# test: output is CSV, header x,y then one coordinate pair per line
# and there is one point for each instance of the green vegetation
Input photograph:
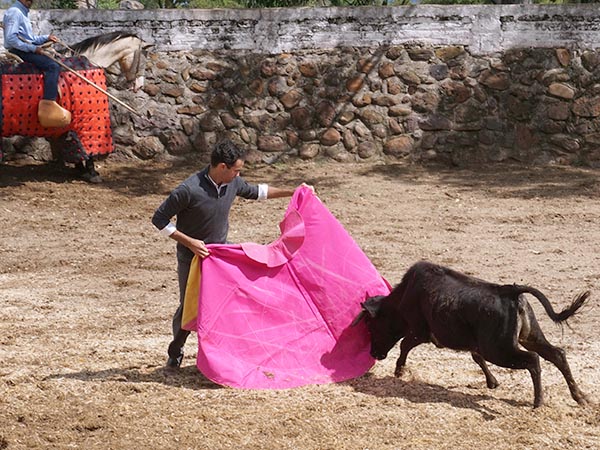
x,y
227,4
53,4
211,4
108,4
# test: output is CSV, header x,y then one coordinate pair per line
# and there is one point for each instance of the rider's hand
x,y
52,38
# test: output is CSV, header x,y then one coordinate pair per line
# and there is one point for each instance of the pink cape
x,y
278,316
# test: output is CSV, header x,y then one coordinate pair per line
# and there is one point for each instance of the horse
x,y
125,48
88,135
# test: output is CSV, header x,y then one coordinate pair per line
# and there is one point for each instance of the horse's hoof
x,y
92,178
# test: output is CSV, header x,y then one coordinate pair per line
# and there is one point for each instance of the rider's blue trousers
x,y
50,68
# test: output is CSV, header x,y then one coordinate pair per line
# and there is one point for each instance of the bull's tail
x,y
569,311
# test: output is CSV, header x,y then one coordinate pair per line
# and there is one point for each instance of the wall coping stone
x,y
484,29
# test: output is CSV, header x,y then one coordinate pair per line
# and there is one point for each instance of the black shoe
x,y
175,362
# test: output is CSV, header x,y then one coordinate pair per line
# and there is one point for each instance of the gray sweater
x,y
202,211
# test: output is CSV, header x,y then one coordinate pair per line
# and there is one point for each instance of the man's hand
x,y
310,187
198,247
41,50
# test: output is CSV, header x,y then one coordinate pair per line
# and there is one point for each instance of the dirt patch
x,y
87,290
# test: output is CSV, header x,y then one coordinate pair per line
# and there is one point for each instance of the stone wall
x,y
464,84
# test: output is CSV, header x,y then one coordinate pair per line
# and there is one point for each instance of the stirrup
x,y
51,114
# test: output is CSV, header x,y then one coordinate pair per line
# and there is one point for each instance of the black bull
x,y
456,311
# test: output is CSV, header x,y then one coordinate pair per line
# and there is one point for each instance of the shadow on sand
x,y
187,376
513,180
416,391
501,179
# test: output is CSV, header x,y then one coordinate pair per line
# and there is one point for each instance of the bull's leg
x,y
536,376
536,342
531,361
408,343
505,353
490,379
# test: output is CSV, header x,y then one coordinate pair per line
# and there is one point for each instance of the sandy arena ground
x,y
87,290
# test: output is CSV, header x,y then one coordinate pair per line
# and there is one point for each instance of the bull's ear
x,y
372,305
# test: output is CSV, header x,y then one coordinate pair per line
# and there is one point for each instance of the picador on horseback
x,y
64,99
20,40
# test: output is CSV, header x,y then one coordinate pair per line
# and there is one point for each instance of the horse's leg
x,y
87,170
56,147
90,174
73,152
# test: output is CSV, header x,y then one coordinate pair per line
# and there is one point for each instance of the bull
x,y
456,311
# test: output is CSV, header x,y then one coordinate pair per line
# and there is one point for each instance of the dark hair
x,y
226,152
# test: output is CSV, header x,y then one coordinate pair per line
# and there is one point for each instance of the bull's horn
x,y
358,318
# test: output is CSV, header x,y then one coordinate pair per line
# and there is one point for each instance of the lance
x,y
90,82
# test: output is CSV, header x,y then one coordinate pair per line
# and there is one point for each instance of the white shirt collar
x,y
217,187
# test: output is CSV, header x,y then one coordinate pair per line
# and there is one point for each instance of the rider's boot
x,y
51,114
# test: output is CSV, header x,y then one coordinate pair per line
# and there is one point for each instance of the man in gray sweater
x,y
202,204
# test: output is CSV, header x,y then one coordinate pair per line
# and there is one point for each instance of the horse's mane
x,y
100,40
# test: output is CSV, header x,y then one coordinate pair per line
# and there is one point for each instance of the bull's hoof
x,y
492,383
583,400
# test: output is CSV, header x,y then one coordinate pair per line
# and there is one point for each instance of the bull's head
x,y
384,327
370,307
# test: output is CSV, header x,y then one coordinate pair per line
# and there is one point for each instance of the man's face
x,y
229,173
27,3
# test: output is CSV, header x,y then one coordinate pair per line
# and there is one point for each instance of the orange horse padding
x,y
22,89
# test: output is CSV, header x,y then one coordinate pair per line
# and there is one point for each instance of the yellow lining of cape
x,y
192,294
